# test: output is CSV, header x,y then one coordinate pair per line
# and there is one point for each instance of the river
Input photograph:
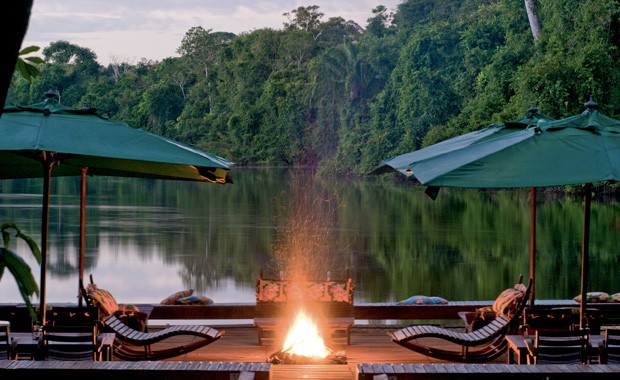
x,y
146,239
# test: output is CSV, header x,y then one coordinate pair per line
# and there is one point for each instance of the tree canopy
x,y
331,94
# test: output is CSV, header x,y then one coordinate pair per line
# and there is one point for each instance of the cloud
x,y
154,29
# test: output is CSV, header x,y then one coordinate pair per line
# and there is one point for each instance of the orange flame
x,y
304,339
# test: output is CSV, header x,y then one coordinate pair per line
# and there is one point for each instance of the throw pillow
x,y
594,297
102,299
615,297
423,300
194,300
172,299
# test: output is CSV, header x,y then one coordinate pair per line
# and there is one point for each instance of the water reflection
x,y
149,238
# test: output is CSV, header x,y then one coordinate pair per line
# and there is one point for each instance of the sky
x,y
129,30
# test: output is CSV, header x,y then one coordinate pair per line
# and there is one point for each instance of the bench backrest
x,y
330,297
282,290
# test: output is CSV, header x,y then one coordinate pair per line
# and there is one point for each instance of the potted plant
x,y
20,270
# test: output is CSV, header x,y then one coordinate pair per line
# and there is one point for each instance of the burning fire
x,y
304,339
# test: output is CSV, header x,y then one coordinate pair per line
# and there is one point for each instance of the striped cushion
x,y
103,300
507,301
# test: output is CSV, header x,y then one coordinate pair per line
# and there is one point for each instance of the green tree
x,y
304,18
381,23
577,57
17,267
200,49
281,117
244,67
336,30
69,69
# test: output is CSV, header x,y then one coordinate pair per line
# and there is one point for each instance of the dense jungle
x,y
338,97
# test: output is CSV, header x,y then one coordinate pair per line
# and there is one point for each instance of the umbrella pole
x,y
45,223
82,234
532,243
585,254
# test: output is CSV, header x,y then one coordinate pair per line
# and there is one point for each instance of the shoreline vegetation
x,y
330,94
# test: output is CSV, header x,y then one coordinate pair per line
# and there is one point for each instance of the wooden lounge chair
x,y
133,344
558,347
479,346
610,348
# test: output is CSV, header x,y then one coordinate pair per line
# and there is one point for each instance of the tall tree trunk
x,y
530,7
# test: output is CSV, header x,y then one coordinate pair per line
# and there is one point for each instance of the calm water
x,y
149,238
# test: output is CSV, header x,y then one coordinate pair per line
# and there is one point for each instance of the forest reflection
x,y
149,238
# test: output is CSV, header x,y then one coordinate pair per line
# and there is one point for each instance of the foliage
x,y
20,270
26,65
332,94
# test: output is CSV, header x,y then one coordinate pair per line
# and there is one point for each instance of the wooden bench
x,y
328,302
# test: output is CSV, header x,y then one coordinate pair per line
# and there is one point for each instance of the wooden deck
x,y
371,346
371,355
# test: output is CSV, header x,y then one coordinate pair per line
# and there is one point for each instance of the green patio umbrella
x,y
477,143
580,149
46,140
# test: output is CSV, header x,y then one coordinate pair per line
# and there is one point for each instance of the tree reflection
x,y
395,241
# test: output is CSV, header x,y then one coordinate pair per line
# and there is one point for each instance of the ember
x,y
281,357
304,345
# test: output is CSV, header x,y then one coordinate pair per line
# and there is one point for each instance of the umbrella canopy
x,y
68,139
580,149
455,153
47,139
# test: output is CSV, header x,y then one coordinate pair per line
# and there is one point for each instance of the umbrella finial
x,y
591,104
52,95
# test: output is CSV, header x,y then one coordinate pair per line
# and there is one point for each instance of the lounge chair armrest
x,y
531,347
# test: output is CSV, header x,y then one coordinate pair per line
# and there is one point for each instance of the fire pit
x,y
304,345
281,357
